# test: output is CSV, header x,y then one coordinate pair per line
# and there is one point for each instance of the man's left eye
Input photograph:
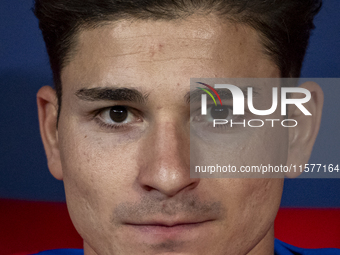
x,y
220,112
214,112
217,112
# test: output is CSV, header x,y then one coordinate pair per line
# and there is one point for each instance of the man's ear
x,y
303,136
48,113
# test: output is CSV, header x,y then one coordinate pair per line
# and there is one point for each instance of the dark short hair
x,y
284,25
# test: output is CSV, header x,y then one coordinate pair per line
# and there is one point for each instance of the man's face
x,y
126,169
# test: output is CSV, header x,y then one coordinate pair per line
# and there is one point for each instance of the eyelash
x,y
110,126
208,125
209,106
118,127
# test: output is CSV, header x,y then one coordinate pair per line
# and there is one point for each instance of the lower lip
x,y
159,233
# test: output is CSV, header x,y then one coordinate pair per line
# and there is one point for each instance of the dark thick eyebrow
x,y
225,94
112,94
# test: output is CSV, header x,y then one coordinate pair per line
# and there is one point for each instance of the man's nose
x,y
166,161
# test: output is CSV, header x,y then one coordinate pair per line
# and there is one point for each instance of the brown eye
x,y
118,113
220,112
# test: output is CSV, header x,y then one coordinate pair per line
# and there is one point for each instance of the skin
x,y
129,190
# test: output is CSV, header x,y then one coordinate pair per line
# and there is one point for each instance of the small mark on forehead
x,y
156,48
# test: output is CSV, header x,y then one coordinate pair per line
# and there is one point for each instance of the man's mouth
x,y
168,229
167,224
150,222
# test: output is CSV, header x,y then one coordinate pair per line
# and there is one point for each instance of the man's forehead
x,y
139,54
153,40
196,26
137,33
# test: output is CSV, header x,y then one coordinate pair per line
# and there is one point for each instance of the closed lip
x,y
156,231
168,224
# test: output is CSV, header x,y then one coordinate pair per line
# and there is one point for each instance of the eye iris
x,y
219,112
118,113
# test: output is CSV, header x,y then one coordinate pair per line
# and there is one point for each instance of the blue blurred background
x,y
24,68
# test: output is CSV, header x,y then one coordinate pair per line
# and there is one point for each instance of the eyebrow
x,y
112,94
133,95
225,94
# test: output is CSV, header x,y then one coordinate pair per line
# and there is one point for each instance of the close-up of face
x,y
122,141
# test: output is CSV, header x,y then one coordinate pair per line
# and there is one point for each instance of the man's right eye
x,y
118,113
117,117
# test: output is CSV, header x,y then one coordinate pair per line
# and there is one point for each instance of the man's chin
x,y
151,239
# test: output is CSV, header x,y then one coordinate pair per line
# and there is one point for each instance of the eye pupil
x,y
219,112
118,113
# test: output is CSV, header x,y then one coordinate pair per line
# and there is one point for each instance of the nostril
x,y
147,187
193,184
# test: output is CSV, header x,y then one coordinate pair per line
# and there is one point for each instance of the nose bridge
x,y
170,144
166,160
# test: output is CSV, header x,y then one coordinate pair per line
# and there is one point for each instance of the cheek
x,y
251,205
97,176
256,198
97,164
255,202
266,146
249,197
242,148
260,203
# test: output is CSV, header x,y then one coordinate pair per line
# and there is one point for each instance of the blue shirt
x,y
281,248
